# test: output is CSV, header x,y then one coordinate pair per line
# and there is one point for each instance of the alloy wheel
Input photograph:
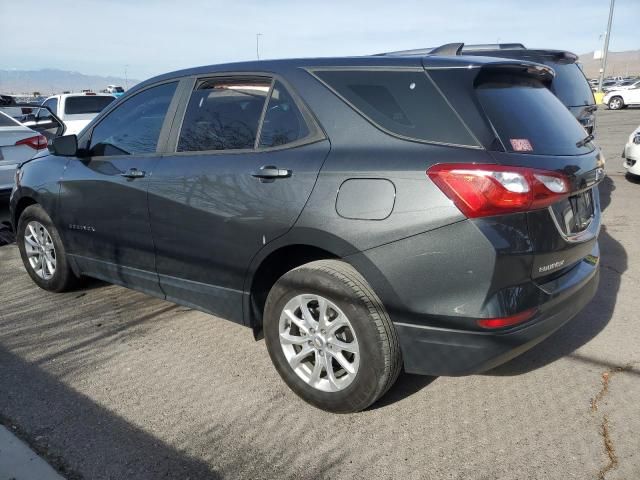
x,y
40,250
319,342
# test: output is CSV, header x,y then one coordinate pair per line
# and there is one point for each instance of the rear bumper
x,y
435,286
431,351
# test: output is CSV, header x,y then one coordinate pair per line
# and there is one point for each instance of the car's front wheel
x,y
42,251
616,103
330,337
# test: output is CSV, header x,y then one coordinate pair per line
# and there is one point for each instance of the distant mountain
x,y
618,63
50,81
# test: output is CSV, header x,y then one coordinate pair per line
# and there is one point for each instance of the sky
x,y
149,37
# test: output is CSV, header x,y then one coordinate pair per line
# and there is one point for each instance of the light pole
x,y
606,47
258,35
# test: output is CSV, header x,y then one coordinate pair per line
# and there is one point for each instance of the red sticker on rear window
x,y
521,145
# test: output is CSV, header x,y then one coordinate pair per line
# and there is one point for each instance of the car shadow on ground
x,y
109,442
593,318
406,385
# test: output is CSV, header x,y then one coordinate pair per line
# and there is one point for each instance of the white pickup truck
x,y
76,110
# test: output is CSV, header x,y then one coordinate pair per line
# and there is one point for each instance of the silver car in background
x,y
17,144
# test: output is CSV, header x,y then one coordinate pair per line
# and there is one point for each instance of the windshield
x,y
570,85
86,104
529,118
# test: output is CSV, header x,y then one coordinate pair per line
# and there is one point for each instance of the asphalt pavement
x,y
107,383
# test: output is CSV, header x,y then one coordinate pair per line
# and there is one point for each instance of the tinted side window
x,y
134,126
283,123
403,102
223,114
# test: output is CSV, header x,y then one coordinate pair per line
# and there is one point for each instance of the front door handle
x,y
133,173
269,172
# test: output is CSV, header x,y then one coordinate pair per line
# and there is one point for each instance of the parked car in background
x,y
17,144
617,99
626,85
115,90
569,84
9,105
631,153
364,214
609,84
76,110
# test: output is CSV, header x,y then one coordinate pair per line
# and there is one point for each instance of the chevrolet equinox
x,y
438,214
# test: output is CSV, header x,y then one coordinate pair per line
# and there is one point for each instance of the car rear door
x,y
103,196
246,155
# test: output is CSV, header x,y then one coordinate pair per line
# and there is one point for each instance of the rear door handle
x,y
133,173
269,172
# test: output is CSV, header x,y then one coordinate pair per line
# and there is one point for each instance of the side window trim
x,y
316,133
176,110
115,105
256,143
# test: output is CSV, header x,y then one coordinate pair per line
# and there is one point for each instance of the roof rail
x,y
415,51
456,49
494,46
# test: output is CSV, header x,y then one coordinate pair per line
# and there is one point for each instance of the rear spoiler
x,y
530,69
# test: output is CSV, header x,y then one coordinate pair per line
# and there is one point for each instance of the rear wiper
x,y
584,141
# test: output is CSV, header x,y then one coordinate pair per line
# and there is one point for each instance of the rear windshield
x,y
86,104
529,118
401,102
570,85
7,121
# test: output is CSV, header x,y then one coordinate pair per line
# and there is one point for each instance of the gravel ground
x,y
108,383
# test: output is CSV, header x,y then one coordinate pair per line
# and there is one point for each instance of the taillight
x,y
37,143
485,190
501,322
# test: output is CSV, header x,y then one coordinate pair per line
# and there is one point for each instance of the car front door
x,y
246,157
103,196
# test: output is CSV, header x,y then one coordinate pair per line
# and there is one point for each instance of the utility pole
x,y
606,47
258,35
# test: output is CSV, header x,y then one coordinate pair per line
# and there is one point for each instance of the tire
x,y
61,278
615,103
347,299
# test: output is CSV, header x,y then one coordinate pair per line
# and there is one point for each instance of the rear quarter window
x,y
404,103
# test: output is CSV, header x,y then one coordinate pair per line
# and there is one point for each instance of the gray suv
x,y
437,214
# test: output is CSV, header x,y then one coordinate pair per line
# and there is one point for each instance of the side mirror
x,y
65,146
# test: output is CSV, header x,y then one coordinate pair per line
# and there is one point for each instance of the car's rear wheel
x,y
330,337
616,103
42,252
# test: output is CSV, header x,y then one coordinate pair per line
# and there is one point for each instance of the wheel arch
x,y
21,206
269,269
